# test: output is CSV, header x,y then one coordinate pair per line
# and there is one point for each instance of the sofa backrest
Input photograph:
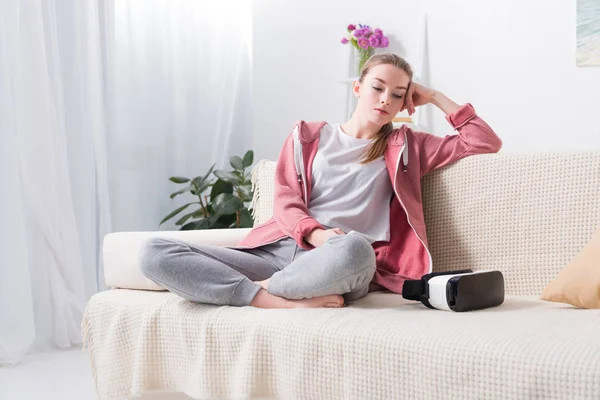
x,y
526,215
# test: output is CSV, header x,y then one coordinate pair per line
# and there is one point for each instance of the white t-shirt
x,y
346,194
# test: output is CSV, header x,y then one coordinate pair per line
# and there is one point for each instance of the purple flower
x,y
373,41
363,43
365,37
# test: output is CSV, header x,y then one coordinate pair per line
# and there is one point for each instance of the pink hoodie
x,y
406,255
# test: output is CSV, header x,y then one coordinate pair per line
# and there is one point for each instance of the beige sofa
x,y
526,215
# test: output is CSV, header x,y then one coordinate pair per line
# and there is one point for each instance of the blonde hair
x,y
377,148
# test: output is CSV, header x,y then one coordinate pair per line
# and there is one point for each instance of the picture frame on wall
x,y
588,33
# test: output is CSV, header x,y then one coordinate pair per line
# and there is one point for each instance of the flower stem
x,y
363,56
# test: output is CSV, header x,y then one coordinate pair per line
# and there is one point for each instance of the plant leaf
x,y
236,162
246,190
209,171
220,225
174,213
228,219
189,226
227,176
203,188
219,187
199,213
195,214
226,203
246,220
179,179
225,221
198,224
198,181
201,183
185,189
248,158
211,221
202,223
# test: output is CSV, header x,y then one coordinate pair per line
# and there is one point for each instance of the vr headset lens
x,y
475,291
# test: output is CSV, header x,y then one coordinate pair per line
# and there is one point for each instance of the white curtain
x,y
181,99
100,102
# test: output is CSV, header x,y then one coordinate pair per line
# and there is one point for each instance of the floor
x,y
59,375
64,375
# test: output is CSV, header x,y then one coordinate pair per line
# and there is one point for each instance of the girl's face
x,y
381,94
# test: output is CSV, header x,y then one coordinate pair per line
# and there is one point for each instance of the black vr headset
x,y
463,290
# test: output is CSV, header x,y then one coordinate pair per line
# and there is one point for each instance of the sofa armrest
x,y
121,259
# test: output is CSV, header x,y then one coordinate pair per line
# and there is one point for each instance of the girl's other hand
x,y
417,96
319,236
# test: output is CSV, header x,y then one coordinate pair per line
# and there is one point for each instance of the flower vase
x,y
362,55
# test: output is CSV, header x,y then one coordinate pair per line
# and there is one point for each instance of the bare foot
x,y
264,284
329,301
264,299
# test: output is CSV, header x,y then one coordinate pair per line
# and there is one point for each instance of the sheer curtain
x,y
100,102
181,97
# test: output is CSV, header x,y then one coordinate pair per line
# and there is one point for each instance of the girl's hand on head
x,y
417,96
319,236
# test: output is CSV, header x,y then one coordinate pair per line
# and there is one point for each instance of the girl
x,y
347,215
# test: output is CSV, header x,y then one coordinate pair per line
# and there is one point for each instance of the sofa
x,y
525,215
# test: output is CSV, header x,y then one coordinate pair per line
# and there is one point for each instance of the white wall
x,y
513,60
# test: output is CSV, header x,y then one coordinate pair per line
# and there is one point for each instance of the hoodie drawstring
x,y
405,155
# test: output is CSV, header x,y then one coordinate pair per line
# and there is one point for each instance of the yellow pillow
x,y
579,282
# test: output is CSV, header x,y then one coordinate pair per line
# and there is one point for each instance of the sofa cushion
x,y
579,282
121,252
380,346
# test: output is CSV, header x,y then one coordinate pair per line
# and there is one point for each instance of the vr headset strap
x,y
418,289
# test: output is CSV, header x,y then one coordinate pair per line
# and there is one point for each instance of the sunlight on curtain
x,y
52,133
100,102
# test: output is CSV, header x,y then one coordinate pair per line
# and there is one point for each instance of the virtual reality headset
x,y
463,290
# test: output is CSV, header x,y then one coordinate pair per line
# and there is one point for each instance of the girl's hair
x,y
377,148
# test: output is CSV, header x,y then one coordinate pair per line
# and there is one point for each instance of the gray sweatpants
x,y
344,265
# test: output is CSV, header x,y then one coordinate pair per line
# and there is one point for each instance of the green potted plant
x,y
221,202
